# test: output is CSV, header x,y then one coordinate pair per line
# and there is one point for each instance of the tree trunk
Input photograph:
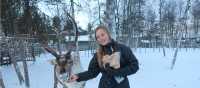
x,y
180,33
13,53
99,8
1,80
55,78
110,17
23,46
27,81
17,70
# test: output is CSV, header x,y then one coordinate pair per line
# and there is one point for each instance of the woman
x,y
115,61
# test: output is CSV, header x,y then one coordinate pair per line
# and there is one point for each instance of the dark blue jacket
x,y
128,66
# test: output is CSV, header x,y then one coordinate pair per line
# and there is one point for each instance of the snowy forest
x,y
29,28
150,23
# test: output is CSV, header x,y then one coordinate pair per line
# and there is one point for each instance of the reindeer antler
x,y
50,50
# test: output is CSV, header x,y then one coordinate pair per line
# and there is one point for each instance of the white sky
x,y
81,17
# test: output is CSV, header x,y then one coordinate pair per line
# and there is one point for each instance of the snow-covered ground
x,y
154,70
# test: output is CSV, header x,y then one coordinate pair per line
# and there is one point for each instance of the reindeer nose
x,y
62,70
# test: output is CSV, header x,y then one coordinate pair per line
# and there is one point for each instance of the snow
x,y
155,70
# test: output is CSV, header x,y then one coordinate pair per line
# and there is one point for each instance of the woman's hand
x,y
109,70
73,78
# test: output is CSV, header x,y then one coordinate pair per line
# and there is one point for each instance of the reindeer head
x,y
63,61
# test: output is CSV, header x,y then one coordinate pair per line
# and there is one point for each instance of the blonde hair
x,y
100,51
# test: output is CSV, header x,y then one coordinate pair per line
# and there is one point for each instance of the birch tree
x,y
110,17
180,35
161,5
1,34
132,21
196,16
1,80
169,19
150,26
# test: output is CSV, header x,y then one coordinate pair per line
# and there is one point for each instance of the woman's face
x,y
102,37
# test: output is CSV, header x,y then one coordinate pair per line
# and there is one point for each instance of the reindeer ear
x,y
68,55
52,61
69,52
52,51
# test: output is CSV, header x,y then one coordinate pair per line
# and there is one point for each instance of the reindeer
x,y
63,65
63,61
66,29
